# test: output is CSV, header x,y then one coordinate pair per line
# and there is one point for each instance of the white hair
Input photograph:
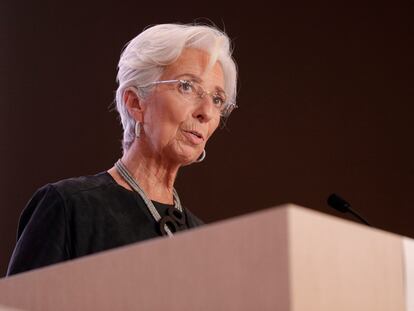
x,y
145,57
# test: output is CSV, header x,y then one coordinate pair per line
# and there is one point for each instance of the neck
x,y
155,176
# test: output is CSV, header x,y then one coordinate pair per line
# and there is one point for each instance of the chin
x,y
187,156
187,159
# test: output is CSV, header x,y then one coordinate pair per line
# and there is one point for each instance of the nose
x,y
204,109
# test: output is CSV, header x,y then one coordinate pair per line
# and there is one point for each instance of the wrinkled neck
x,y
154,174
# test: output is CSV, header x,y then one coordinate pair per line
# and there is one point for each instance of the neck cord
x,y
127,176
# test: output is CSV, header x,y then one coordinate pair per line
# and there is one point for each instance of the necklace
x,y
175,215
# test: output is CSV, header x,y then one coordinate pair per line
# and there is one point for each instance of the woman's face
x,y
176,130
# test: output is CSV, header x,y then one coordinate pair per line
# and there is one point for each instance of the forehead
x,y
196,62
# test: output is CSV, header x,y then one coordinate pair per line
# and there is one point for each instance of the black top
x,y
81,216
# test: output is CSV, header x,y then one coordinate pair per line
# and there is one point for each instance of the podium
x,y
284,258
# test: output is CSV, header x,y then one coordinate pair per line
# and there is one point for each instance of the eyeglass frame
x,y
227,107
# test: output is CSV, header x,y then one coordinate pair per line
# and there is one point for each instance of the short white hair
x,y
145,57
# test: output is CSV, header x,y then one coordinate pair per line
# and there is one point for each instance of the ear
x,y
133,104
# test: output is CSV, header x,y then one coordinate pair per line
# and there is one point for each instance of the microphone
x,y
336,202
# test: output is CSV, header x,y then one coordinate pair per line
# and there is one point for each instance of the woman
x,y
175,84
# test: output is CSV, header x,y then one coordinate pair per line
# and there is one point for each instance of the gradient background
x,y
326,105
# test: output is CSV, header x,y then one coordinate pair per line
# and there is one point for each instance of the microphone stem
x,y
358,216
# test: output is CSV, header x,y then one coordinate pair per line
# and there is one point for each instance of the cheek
x,y
168,119
172,109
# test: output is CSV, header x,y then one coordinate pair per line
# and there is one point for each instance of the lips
x,y
196,134
194,137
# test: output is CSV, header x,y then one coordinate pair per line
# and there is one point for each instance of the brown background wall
x,y
326,105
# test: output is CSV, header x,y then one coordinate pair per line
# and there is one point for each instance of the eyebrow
x,y
197,79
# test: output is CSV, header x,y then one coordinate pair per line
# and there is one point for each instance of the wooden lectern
x,y
4,308
285,258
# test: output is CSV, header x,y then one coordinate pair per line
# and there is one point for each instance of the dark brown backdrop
x,y
326,105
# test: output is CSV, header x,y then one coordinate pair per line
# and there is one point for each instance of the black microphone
x,y
343,206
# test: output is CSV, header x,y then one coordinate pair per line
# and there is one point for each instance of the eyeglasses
x,y
192,91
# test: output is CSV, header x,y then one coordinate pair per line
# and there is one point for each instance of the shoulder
x,y
99,185
80,186
55,197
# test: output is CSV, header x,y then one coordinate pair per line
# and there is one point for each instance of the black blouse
x,y
80,216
